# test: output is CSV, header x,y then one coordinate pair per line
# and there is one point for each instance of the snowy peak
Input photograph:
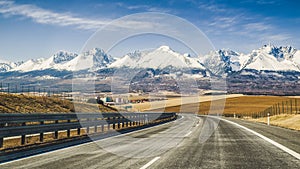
x,y
268,57
97,58
279,53
160,58
93,59
6,65
62,60
274,58
222,62
164,48
63,56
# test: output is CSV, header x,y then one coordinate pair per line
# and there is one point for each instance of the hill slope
x,y
12,103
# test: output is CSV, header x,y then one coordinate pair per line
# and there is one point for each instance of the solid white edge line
x,y
278,145
187,134
150,163
62,149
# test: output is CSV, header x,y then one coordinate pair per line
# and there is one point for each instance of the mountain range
x,y
221,62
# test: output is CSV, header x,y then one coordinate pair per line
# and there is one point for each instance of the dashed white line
x,y
150,163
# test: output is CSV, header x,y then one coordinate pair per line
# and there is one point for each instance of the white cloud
x,y
258,26
39,15
277,37
211,7
43,16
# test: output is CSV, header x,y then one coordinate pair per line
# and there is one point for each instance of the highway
x,y
177,145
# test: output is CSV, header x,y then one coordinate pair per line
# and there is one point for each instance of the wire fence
x,y
34,90
291,106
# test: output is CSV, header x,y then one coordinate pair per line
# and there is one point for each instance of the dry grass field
x,y
247,105
237,105
176,101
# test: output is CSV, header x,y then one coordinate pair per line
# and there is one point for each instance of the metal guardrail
x,y
27,124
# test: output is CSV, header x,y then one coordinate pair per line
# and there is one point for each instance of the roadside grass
x,y
18,103
291,121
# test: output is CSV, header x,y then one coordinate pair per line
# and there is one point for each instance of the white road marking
x,y
187,134
278,145
150,163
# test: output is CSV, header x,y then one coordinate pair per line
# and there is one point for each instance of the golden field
x,y
237,105
247,105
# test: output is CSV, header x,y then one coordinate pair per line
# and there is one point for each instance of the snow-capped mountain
x,y
6,65
62,57
221,62
162,57
56,61
274,58
266,58
94,59
62,60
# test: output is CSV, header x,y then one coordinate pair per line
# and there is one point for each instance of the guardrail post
x,y
56,132
88,127
42,134
1,142
146,119
108,123
139,119
23,137
114,125
123,121
102,128
96,127
78,131
119,124
69,131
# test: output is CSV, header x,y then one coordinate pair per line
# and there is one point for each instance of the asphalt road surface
x,y
189,142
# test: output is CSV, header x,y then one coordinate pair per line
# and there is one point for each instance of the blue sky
x,y
34,29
